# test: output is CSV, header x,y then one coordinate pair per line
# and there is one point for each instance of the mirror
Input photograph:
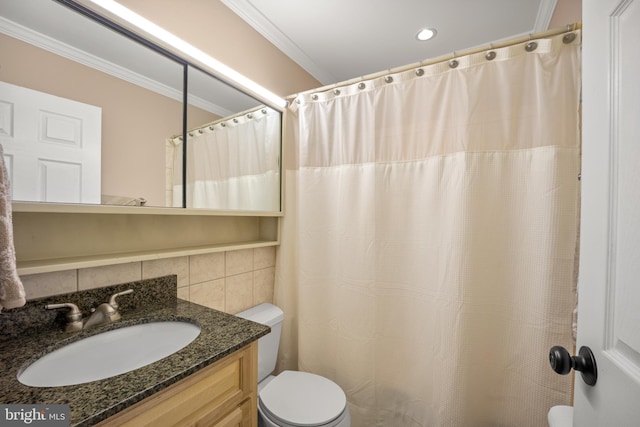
x,y
117,105
233,162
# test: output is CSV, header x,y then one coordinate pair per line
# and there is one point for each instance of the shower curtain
x,y
428,257
233,164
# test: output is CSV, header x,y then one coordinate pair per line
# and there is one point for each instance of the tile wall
x,y
229,281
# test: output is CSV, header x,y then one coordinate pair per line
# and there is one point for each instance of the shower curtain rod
x,y
444,58
224,119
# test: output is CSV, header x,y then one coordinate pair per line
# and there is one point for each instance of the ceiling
x,y
337,40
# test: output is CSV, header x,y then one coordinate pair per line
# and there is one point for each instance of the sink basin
x,y
109,354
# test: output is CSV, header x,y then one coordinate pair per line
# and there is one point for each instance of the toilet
x,y
560,416
292,398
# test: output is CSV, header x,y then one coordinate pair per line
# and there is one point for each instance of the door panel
x,y
609,287
52,146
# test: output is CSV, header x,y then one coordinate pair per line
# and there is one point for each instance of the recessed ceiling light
x,y
426,34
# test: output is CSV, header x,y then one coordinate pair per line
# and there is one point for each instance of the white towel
x,y
11,290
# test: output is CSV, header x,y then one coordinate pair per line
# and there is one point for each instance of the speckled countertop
x,y
30,332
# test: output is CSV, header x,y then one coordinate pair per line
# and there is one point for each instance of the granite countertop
x,y
22,343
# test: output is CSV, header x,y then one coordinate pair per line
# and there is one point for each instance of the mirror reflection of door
x,y
50,48
51,146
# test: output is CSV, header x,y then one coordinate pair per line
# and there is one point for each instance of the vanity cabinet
x,y
222,395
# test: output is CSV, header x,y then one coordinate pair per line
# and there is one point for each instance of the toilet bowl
x,y
560,416
292,398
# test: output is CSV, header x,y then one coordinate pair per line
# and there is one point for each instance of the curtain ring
x,y
388,79
224,125
531,46
454,62
336,92
568,38
490,55
314,96
419,72
361,85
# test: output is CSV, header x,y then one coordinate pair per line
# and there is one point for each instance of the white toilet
x,y
560,416
292,399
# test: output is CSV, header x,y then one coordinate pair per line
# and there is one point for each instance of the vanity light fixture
x,y
190,50
425,34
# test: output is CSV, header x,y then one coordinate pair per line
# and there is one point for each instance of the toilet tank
x,y
272,316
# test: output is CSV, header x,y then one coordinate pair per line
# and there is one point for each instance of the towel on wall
x,y
11,290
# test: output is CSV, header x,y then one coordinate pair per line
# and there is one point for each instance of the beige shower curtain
x,y
232,164
428,244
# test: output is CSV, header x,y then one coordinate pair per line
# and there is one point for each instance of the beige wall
x,y
567,12
135,122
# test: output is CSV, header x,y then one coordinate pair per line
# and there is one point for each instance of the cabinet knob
x,y
562,362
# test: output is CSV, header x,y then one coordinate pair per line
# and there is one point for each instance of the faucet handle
x,y
74,312
112,300
74,316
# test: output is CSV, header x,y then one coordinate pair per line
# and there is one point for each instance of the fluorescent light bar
x,y
190,50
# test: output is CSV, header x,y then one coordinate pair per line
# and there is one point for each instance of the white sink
x,y
109,354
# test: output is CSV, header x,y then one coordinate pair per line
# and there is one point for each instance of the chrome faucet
x,y
105,313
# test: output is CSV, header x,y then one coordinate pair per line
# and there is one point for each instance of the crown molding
x,y
252,16
545,13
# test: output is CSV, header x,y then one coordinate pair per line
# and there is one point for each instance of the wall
x,y
229,281
566,12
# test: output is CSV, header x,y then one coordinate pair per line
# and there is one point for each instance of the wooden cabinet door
x,y
240,417
218,395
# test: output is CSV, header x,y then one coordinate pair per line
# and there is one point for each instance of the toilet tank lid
x,y
265,314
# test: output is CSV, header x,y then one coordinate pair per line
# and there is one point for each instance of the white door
x,y
51,146
609,284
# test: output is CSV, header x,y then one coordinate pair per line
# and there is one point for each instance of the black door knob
x,y
562,362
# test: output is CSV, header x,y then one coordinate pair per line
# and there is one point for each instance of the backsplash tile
x,y
210,294
264,257
263,283
160,267
98,277
47,284
203,279
238,262
183,293
239,292
206,267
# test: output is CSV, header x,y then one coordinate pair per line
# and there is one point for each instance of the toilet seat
x,y
302,399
